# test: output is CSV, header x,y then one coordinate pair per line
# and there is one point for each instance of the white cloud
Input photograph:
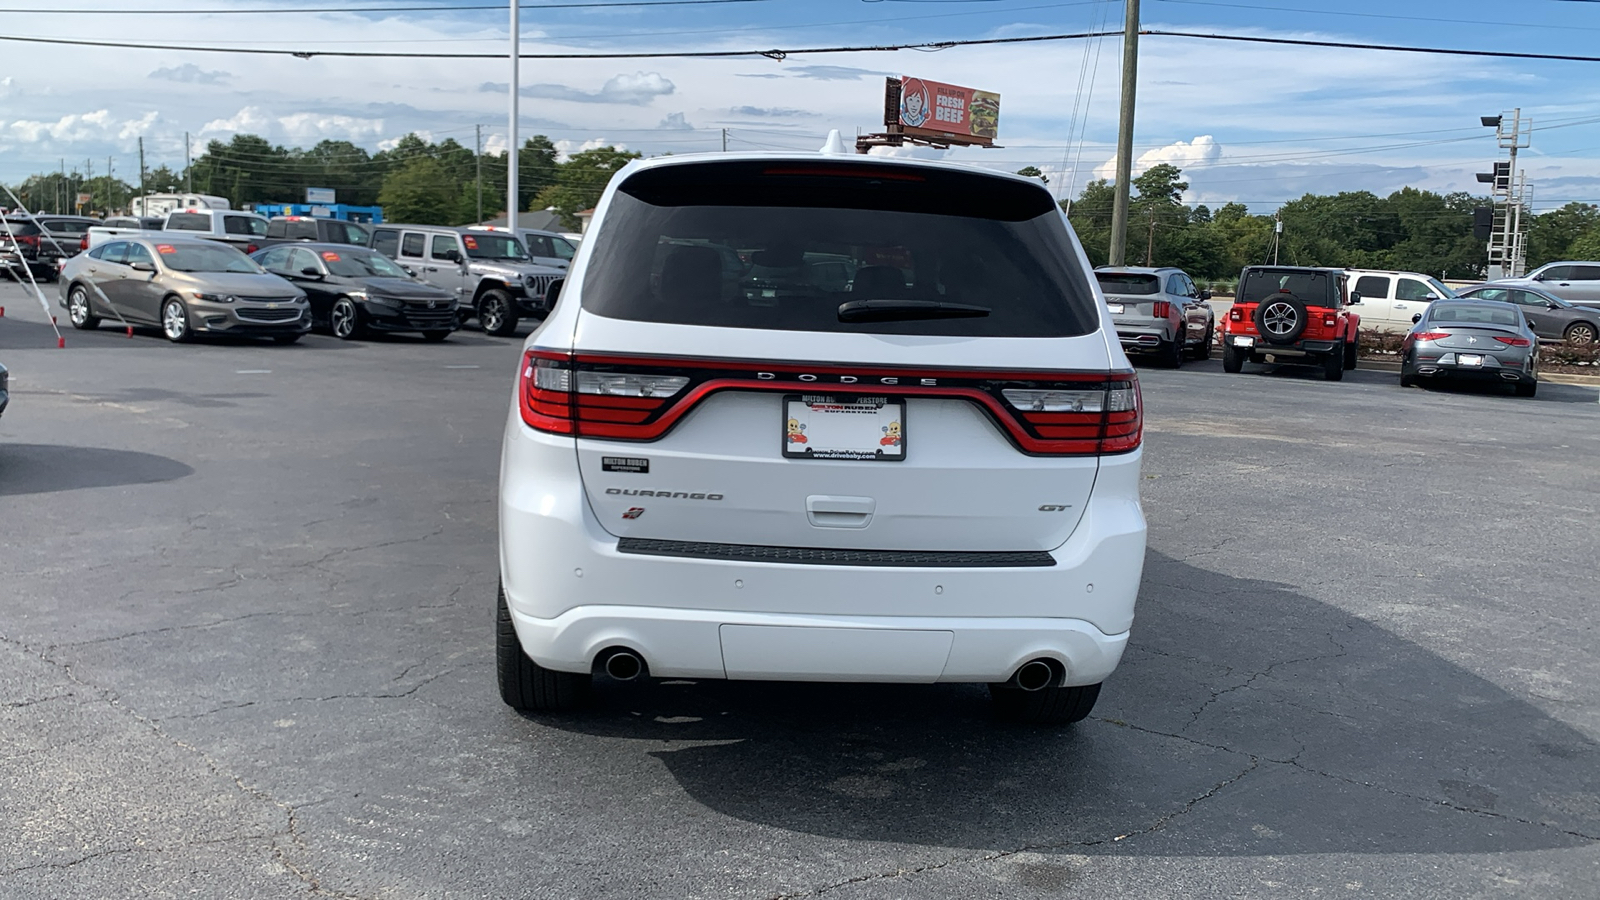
x,y
675,122
565,149
90,126
189,73
1202,151
637,89
302,128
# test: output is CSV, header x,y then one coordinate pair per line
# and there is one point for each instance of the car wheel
x,y
1352,351
1408,378
1172,353
1281,318
1580,334
175,321
1527,388
496,315
435,336
1232,359
78,309
1053,705
286,338
1202,350
344,319
1333,366
526,685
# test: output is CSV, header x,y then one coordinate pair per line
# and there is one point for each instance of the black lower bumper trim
x,y
817,556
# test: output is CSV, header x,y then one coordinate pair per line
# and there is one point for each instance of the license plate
x,y
1116,308
1469,359
1244,342
820,426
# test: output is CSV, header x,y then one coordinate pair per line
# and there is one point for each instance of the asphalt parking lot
x,y
246,599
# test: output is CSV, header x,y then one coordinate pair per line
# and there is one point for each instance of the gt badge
x,y
634,513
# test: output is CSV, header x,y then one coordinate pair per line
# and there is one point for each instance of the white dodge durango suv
x,y
815,417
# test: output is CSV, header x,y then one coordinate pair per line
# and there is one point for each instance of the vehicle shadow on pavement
x,y
1246,719
48,468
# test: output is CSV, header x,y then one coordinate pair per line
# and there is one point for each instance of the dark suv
x,y
1291,314
40,242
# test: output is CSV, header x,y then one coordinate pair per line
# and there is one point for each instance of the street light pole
x,y
511,151
1130,77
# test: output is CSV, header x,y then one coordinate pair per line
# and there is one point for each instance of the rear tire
x,y
1333,366
1054,705
1407,377
78,310
1352,350
344,320
524,684
1580,334
1172,354
1232,359
1527,388
1202,350
175,321
435,336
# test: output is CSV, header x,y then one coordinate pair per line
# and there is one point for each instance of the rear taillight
x,y
250,248
83,243
1514,341
1329,322
1432,335
1234,315
1161,309
28,240
639,399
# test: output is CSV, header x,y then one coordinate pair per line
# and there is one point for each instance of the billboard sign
x,y
947,112
319,195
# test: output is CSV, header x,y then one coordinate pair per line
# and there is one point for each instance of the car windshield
x,y
206,258
829,247
487,245
1128,283
1259,284
361,264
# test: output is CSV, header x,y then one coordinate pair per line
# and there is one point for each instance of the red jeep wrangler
x,y
1293,314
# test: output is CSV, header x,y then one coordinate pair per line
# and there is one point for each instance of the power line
x,y
1340,12
1395,48
598,4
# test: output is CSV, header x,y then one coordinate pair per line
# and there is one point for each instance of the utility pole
x,y
1277,234
188,166
1130,79
61,187
142,191
724,140
1150,242
511,152
477,156
111,186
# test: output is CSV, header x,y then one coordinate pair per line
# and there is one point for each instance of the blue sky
x,y
1256,123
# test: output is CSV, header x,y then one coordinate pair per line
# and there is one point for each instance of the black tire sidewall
x,y
508,318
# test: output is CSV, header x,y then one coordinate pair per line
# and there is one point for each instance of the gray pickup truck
x,y
283,229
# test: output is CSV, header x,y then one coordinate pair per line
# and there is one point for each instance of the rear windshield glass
x,y
1474,314
19,228
785,245
348,233
1128,283
188,222
244,225
1311,287
60,227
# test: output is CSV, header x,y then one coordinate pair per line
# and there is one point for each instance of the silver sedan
x,y
184,287
1472,339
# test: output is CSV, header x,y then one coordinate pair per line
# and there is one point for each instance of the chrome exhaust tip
x,y
1034,675
623,665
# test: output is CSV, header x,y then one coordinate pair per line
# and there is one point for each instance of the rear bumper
x,y
1254,344
1446,367
1137,338
572,594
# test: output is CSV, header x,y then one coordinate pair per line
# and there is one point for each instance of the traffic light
x,y
1482,222
1500,177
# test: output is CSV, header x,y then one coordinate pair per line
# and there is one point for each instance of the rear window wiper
x,y
906,310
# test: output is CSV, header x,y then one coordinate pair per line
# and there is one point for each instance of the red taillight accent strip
x,y
1513,341
1431,335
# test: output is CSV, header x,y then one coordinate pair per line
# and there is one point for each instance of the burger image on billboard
x,y
985,114
915,102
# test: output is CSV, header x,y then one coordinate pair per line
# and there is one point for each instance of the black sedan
x,y
1550,317
354,291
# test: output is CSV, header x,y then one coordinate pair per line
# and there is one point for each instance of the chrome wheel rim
x,y
78,308
1279,318
173,320
344,319
492,315
1581,335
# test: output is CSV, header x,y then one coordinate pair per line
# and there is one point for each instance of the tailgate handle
x,y
826,511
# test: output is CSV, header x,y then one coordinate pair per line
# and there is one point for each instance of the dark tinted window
x,y
783,245
138,253
348,233
276,259
488,245
202,256
355,263
1128,283
412,245
59,226
538,245
1372,287
1586,273
247,225
1474,313
301,231
444,245
1412,289
1311,287
115,252
20,228
386,242
563,248
188,222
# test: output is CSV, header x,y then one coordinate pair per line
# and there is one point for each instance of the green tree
x,y
580,181
1033,172
1090,216
1552,236
421,191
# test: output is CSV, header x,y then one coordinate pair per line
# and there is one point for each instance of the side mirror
x,y
310,272
1355,297
1540,277
452,255
553,292
142,266
1431,296
409,271
1205,295
1416,318
1553,305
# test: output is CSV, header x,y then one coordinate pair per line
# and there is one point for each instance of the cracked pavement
x,y
246,652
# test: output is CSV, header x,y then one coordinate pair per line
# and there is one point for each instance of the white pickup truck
x,y
243,230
